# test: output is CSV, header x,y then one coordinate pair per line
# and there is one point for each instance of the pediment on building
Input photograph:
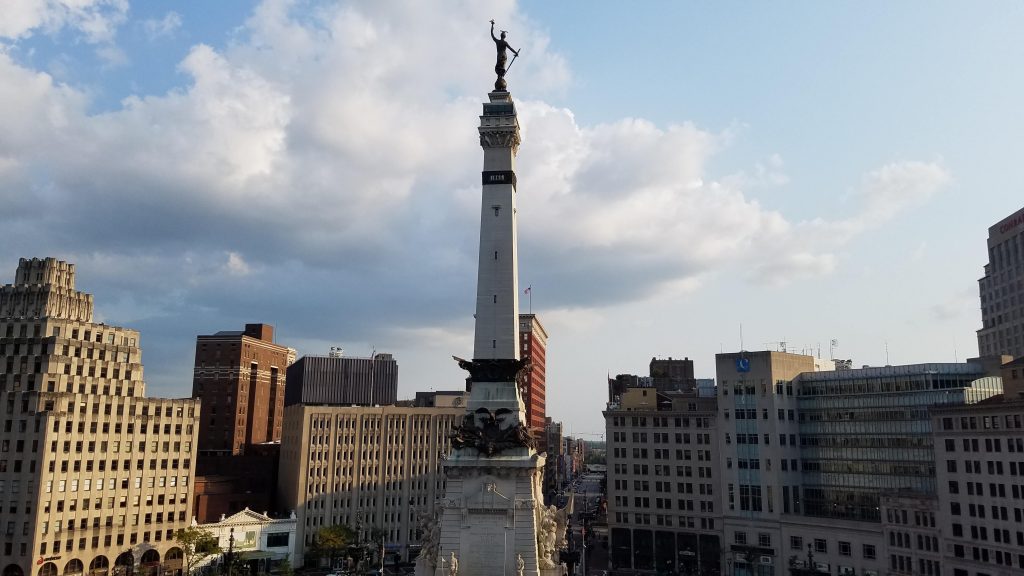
x,y
246,517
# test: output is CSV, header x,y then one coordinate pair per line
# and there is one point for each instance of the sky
x,y
693,177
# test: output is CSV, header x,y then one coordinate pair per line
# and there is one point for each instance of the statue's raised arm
x,y
500,67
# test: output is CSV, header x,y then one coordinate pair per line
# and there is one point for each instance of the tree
x,y
332,540
285,567
196,544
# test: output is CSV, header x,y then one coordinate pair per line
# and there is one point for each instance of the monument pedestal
x,y
491,513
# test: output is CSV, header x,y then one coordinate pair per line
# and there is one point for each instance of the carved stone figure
x,y
547,538
496,369
430,539
453,565
499,66
520,565
483,430
561,521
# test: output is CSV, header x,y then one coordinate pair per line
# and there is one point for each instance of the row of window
x,y
987,422
991,445
644,519
108,540
661,422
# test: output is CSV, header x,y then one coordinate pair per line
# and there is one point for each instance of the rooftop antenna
x,y
741,337
886,352
831,347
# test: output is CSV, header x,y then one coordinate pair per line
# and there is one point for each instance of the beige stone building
x,y
664,485
913,534
365,467
94,476
980,472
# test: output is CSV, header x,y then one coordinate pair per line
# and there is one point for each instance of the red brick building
x,y
534,343
224,486
240,376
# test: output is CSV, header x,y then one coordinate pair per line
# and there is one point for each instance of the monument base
x,y
491,514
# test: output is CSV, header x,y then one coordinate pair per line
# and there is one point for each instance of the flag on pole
x,y
528,289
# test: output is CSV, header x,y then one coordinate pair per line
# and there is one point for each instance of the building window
x,y
869,551
796,543
277,540
844,548
820,545
740,537
764,540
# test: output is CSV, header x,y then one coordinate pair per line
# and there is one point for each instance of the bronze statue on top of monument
x,y
499,67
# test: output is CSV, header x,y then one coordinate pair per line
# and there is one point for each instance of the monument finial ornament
x,y
499,66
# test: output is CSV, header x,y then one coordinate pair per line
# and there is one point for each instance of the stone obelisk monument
x,y
492,520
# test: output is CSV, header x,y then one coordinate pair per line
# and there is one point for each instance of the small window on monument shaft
x,y
495,298
495,254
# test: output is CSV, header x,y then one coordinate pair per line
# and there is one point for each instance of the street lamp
x,y
230,555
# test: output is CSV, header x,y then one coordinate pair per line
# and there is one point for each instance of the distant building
x,y
263,543
664,487
227,485
618,385
441,399
343,380
809,456
912,534
534,348
1002,289
95,477
240,377
979,463
366,468
554,475
669,374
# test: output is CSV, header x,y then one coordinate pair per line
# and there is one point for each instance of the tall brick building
x,y
240,376
534,344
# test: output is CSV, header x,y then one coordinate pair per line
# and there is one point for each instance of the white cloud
x,y
96,20
236,265
156,29
335,147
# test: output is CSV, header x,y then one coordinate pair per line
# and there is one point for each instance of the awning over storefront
x,y
260,555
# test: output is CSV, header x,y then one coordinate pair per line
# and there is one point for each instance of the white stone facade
x,y
254,535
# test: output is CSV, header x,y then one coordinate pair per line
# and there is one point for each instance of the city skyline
x,y
808,175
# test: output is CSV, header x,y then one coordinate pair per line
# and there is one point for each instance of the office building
x,y
554,449
226,485
240,377
980,480
439,399
668,374
809,453
912,534
343,380
534,391
94,476
664,486
365,467
1002,289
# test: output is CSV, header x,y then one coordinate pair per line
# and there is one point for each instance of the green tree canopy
x,y
331,541
196,544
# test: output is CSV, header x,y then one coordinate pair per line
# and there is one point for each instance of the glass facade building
x,y
866,431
